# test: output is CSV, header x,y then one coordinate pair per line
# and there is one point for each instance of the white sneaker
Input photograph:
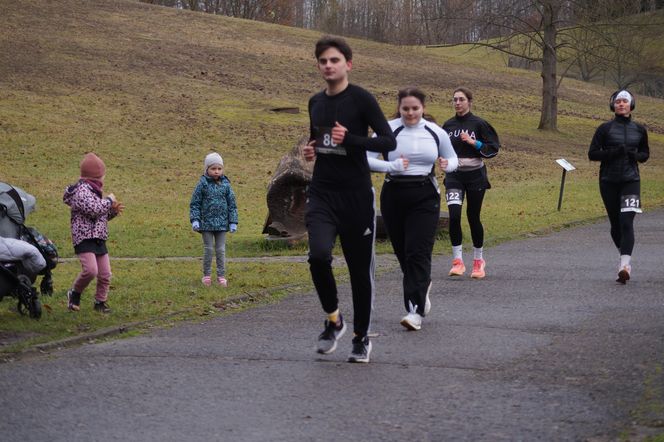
x,y
412,321
427,302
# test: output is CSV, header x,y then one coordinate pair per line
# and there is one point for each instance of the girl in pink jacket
x,y
90,212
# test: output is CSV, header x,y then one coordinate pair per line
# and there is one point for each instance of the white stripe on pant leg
x,y
372,267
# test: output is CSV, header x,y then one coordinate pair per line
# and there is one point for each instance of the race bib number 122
x,y
454,196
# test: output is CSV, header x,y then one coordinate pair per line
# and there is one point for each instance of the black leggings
x,y
622,223
474,200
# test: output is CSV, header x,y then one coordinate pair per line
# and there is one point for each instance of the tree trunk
x,y
549,114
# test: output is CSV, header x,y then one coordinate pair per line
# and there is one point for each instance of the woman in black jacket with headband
x,y
620,144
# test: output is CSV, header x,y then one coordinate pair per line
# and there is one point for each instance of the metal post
x,y
562,187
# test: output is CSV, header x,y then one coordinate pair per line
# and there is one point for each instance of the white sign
x,y
565,164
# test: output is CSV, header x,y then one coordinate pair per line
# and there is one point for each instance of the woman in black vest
x,y
619,144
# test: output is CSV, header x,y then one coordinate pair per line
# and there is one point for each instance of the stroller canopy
x,y
15,205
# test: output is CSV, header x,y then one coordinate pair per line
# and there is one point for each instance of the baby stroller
x,y
24,252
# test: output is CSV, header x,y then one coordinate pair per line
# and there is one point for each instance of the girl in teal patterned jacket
x,y
213,212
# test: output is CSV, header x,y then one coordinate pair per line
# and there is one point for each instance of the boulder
x,y
286,199
286,196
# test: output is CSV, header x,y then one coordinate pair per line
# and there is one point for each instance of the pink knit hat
x,y
92,167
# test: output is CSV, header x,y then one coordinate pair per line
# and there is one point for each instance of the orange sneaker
x,y
478,269
458,269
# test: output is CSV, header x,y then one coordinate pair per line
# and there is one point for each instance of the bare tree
x,y
593,35
614,39
526,29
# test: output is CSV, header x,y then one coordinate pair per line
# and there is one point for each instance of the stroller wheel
x,y
46,286
22,308
33,309
28,299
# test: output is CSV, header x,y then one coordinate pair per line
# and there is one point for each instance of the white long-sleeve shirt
x,y
421,144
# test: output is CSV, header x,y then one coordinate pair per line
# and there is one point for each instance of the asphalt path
x,y
547,347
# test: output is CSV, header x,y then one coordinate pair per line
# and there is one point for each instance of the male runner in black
x,y
341,198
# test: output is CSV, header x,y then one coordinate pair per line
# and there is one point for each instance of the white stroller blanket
x,y
17,250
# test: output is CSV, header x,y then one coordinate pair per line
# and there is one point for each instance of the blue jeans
x,y
214,241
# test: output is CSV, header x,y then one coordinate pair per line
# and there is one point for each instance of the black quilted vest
x,y
622,132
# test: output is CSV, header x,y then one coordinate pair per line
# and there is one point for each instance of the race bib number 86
x,y
324,143
630,203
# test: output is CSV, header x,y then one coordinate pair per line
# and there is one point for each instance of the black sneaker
x,y
361,349
327,341
102,307
73,300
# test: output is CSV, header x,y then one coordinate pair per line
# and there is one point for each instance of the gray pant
x,y
216,241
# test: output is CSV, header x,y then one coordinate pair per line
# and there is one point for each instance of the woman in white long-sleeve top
x,y
410,198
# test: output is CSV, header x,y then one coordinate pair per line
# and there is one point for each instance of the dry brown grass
x,y
153,89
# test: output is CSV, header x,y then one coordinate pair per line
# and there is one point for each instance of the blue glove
x,y
196,226
233,227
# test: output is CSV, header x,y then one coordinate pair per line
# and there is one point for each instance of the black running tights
x,y
622,223
474,200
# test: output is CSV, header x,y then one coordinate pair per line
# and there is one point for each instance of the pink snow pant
x,y
94,266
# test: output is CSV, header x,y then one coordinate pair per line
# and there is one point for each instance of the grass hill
x,y
153,89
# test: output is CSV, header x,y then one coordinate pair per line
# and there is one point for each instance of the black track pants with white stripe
x,y
351,216
411,212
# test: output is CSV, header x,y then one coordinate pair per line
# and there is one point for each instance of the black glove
x,y
615,152
630,152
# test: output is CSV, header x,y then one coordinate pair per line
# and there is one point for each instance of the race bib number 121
x,y
630,203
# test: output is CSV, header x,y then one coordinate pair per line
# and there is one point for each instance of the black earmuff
x,y
632,103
